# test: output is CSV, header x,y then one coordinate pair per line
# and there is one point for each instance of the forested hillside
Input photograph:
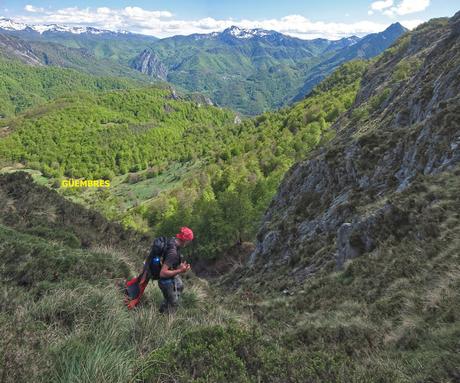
x,y
232,194
98,135
105,134
23,86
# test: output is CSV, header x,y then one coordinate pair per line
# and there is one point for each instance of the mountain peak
x,y
246,33
396,27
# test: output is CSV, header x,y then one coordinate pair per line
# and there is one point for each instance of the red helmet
x,y
185,234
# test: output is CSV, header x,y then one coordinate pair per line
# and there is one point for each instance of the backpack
x,y
151,269
155,259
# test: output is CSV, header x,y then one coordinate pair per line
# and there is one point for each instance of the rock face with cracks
x,y
148,63
405,122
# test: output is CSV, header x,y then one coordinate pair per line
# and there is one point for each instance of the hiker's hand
x,y
188,267
132,304
183,267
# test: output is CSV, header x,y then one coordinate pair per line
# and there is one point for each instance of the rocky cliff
x,y
11,46
363,187
148,63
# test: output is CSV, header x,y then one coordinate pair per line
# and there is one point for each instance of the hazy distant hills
x,y
249,70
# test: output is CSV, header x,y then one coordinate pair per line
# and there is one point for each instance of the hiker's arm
x,y
166,273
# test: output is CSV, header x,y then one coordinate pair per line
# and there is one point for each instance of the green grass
x,y
145,189
81,330
390,316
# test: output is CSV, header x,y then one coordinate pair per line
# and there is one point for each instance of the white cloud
x,y
31,8
379,5
404,7
411,6
164,24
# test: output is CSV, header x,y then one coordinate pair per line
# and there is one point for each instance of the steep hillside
x,y
358,253
404,124
45,52
54,254
36,210
16,48
61,317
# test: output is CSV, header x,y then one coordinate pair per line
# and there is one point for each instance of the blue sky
x,y
304,19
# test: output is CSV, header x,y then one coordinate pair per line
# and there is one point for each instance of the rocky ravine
x,y
404,123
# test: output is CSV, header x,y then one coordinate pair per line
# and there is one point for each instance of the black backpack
x,y
155,259
151,269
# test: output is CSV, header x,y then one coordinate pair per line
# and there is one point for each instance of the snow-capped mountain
x,y
245,33
235,33
11,25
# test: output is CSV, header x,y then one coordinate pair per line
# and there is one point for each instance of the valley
x,y
328,218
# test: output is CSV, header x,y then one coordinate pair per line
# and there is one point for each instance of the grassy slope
x,y
391,315
62,319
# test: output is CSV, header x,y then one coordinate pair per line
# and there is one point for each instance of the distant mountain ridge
x,y
248,70
254,70
364,48
11,25
87,49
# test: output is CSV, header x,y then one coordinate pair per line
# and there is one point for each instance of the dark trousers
x,y
171,289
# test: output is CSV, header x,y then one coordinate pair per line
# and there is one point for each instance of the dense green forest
x,y
23,86
98,135
101,135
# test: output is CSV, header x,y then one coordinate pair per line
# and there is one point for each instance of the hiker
x,y
164,263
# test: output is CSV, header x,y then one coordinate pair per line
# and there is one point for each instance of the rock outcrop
x,y
148,63
14,47
405,123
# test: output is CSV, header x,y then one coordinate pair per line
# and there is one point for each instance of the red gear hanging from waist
x,y
143,281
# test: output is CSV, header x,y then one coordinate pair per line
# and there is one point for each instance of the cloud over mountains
x,y
162,23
